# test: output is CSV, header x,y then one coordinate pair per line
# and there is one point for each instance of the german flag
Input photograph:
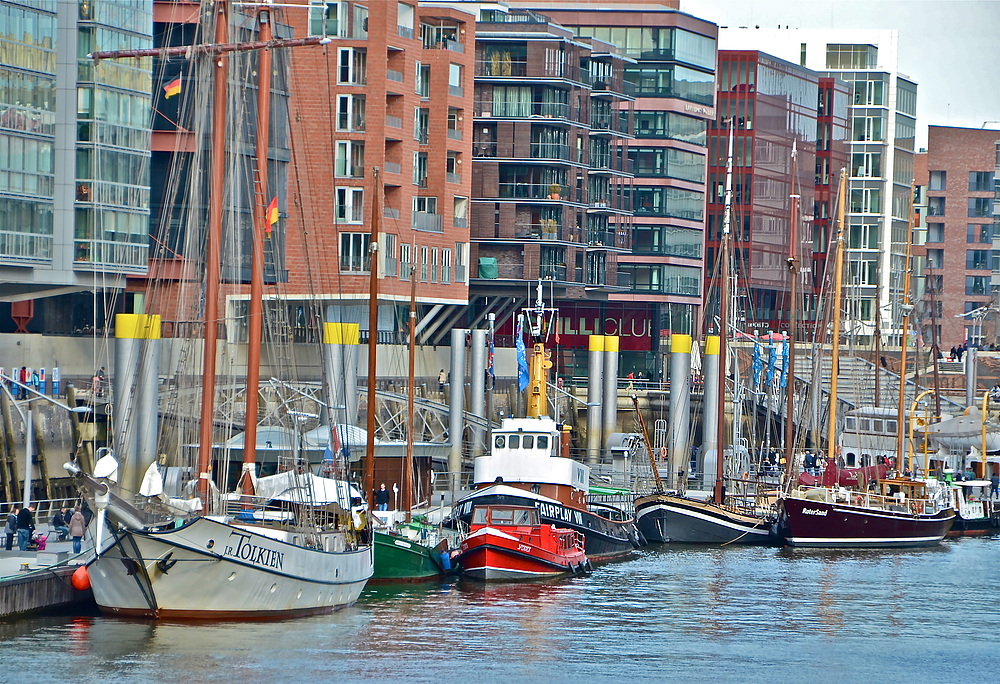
x,y
172,88
272,216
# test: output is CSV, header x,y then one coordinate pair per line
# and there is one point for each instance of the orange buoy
x,y
81,579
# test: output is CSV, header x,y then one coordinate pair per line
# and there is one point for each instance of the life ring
x,y
859,500
663,453
917,507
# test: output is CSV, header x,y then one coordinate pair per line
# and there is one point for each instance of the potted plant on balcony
x,y
554,191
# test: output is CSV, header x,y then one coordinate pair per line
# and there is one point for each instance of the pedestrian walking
x,y
442,378
11,528
77,527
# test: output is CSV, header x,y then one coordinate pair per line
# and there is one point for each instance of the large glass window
x,y
846,56
658,201
654,124
980,207
979,233
977,285
667,240
667,80
977,259
980,181
694,49
938,180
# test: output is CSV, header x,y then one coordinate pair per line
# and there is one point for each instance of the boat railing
x,y
892,502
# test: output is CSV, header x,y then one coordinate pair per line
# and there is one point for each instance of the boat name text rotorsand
x,y
813,511
258,555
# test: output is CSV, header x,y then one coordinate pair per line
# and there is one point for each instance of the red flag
x,y
272,216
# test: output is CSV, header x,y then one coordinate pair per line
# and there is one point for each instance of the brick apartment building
x,y
958,177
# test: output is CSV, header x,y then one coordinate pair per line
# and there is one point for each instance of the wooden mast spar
x,y
373,334
838,281
718,494
793,310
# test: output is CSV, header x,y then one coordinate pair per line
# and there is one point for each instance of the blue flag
x,y
522,357
758,366
784,364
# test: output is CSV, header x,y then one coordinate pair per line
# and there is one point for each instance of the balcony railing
x,y
552,272
457,91
427,222
524,109
541,191
393,167
460,222
454,134
420,135
393,121
17,245
404,31
539,231
350,171
389,212
394,75
452,177
539,150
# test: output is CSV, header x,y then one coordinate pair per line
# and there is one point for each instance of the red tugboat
x,y
510,543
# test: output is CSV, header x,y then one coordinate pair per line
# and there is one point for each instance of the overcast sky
x,y
949,47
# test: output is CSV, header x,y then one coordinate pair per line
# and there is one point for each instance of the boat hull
x,y
820,524
489,555
604,539
402,560
663,518
213,570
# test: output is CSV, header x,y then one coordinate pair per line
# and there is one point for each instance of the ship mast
x,y
793,310
408,471
838,282
538,404
907,308
718,493
373,331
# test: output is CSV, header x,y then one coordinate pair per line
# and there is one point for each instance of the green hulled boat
x,y
399,559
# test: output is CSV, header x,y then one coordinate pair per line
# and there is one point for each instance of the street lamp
x,y
29,425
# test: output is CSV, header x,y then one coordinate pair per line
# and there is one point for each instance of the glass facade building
x,y
74,148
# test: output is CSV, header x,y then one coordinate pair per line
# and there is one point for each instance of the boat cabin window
x,y
876,425
527,442
849,423
543,441
505,516
852,459
890,427
514,441
866,460
499,441
865,425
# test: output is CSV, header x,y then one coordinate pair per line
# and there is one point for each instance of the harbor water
x,y
689,614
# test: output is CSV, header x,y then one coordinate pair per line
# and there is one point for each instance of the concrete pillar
x,y
126,414
680,401
477,386
595,389
971,368
610,408
340,371
148,396
710,412
456,405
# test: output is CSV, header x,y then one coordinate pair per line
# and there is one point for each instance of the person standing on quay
x,y
25,526
11,529
77,526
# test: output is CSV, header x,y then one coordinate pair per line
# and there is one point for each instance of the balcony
x,y
393,167
457,91
498,66
17,245
396,76
547,229
454,134
552,272
452,177
390,213
432,223
460,222
393,121
420,135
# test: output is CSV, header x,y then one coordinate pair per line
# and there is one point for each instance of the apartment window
x,y
350,205
389,261
977,259
868,128
980,181
978,232
460,212
421,119
405,261
352,66
350,112
427,205
866,201
328,18
350,159
455,80
935,206
935,258
424,259
404,20
869,93
938,180
980,207
846,56
864,236
420,169
977,285
354,252
434,264
445,265
423,80
866,164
